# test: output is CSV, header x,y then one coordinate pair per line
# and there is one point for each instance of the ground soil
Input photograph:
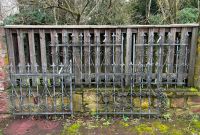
x,y
92,126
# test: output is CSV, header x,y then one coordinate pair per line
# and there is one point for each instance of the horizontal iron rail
x,y
97,44
42,113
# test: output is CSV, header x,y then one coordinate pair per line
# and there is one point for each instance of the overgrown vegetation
x,y
189,125
71,130
105,12
1,132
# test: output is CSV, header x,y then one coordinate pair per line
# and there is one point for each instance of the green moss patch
x,y
72,129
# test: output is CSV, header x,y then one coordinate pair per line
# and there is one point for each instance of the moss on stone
x,y
162,128
72,129
124,124
196,125
144,129
176,132
192,89
1,132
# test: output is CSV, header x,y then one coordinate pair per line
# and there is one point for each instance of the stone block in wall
x,y
157,103
77,103
89,101
178,102
195,109
144,103
193,100
4,103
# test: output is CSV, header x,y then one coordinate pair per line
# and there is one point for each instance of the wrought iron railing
x,y
134,62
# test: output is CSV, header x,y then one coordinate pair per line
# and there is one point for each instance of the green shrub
x,y
29,17
156,19
187,15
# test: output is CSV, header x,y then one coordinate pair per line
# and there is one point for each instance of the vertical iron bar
x,y
12,88
29,87
105,73
97,78
21,91
81,43
149,70
45,80
113,57
131,83
133,71
54,89
71,92
177,57
62,79
122,63
89,59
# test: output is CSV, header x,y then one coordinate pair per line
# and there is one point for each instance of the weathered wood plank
x,y
192,59
118,50
97,51
32,49
21,50
139,59
108,53
54,41
182,55
11,53
128,55
87,55
98,26
65,47
76,56
150,54
170,59
43,50
161,41
32,53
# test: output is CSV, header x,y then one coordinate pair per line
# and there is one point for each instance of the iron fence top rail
x,y
97,26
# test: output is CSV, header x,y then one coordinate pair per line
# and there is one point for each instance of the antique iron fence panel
x,y
41,93
128,65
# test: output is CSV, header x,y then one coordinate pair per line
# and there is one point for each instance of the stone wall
x,y
3,61
4,100
180,102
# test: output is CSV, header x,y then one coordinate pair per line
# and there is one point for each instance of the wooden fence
x,y
159,53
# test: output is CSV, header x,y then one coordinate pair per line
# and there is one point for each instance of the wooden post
x,y
170,59
32,53
160,54
87,55
97,52
21,49
192,66
65,47
118,50
76,56
182,55
11,53
150,53
128,54
139,59
107,53
53,46
43,50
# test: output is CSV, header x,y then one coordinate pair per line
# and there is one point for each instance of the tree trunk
x,y
78,19
149,10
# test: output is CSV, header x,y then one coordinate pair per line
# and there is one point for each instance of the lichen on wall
x,y
197,66
3,61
